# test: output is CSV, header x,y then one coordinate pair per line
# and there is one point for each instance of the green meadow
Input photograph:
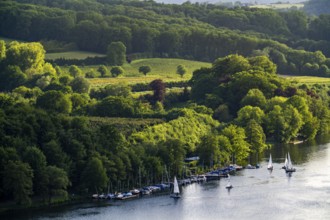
x,y
161,68
309,80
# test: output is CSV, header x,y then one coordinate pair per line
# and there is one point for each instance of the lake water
x,y
257,194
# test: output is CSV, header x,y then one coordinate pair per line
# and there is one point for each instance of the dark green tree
x,y
37,160
80,85
116,71
144,69
181,70
116,54
56,182
94,176
103,70
158,86
17,180
55,101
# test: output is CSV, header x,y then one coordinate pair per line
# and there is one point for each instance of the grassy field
x,y
80,55
161,68
278,6
309,80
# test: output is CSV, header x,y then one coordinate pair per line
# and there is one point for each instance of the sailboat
x,y
176,190
229,186
285,162
288,166
270,163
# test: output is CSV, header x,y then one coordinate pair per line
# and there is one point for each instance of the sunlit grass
x,y
309,80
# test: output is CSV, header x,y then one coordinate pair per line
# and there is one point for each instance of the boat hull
x,y
175,196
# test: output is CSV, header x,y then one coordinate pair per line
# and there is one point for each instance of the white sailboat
x,y
270,163
285,162
176,190
229,186
289,166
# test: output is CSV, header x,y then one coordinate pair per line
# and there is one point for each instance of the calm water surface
x,y
257,194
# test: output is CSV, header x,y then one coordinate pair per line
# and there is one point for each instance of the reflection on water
x,y
256,194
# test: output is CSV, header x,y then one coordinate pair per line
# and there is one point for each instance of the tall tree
x,y
17,179
158,86
181,70
95,175
240,148
56,182
103,70
209,151
116,54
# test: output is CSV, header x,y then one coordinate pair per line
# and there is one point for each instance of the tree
x,y
120,89
116,54
56,182
115,106
37,160
28,56
181,70
255,136
17,179
276,125
2,50
239,147
80,85
55,101
254,98
209,151
227,66
103,70
116,71
263,63
75,71
79,100
247,113
12,77
144,69
94,176
158,86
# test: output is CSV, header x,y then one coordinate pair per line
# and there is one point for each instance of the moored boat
x,y
176,190
229,185
270,163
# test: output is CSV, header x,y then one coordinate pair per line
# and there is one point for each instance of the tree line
x,y
193,31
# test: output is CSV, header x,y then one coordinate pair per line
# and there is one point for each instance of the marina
x,y
256,194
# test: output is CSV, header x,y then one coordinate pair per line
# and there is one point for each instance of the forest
x,y
296,43
60,136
